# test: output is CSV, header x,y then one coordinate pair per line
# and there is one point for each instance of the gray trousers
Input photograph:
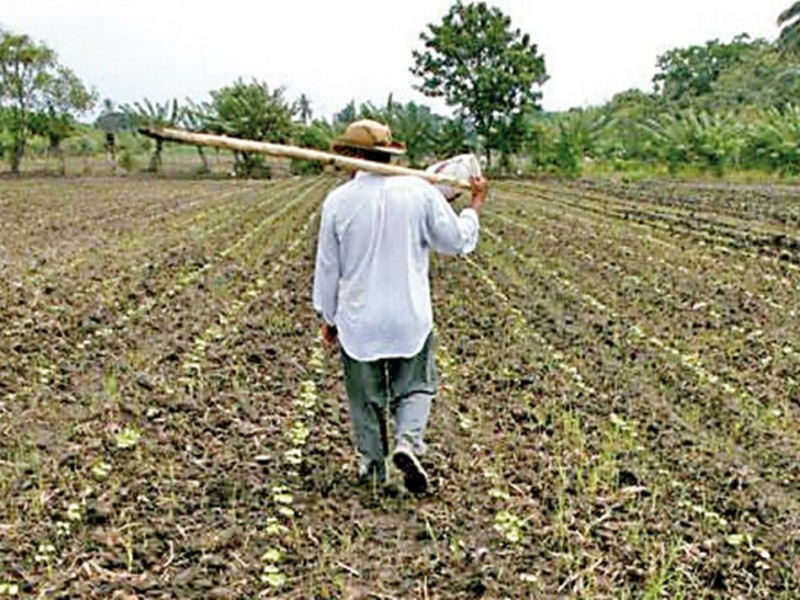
x,y
406,386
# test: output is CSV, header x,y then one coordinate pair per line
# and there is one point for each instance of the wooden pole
x,y
283,151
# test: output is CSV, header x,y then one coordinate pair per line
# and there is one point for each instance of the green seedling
x,y
509,526
127,438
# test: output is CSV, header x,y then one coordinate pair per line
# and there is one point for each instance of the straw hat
x,y
368,135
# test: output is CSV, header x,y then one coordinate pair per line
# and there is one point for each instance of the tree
x,y
303,109
65,98
688,73
768,76
414,125
251,111
32,81
624,138
149,115
479,64
452,137
318,135
345,116
789,20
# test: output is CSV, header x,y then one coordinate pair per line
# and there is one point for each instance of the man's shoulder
x,y
337,192
411,183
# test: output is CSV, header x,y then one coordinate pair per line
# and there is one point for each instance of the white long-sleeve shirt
x,y
371,275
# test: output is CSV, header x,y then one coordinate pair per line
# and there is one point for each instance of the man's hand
x,y
480,189
330,336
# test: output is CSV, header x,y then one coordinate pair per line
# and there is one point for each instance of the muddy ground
x,y
618,413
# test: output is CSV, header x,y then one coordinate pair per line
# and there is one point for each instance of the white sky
x,y
337,50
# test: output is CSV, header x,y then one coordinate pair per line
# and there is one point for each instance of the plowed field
x,y
619,415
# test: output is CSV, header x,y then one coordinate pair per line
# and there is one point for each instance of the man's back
x,y
371,279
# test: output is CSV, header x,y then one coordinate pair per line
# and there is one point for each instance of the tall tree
x,y
252,111
38,94
303,109
789,20
319,135
345,116
414,125
688,73
25,72
768,76
65,98
479,64
452,137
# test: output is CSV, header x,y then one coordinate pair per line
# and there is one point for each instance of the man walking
x,y
371,288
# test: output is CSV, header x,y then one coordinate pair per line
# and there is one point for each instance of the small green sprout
x,y
274,528
127,438
101,469
283,498
273,555
509,525
74,512
273,577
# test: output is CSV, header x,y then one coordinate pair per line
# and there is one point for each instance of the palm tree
x,y
152,115
303,107
414,125
789,39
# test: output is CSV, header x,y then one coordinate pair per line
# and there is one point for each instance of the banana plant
x,y
713,140
150,115
775,139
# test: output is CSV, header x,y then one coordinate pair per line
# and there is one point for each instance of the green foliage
x,y
478,63
713,141
37,94
84,144
623,139
765,77
345,116
65,98
686,73
251,111
319,136
415,125
452,138
560,142
717,107
789,39
147,115
127,159
302,108
773,140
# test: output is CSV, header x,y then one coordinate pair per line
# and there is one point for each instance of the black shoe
x,y
414,477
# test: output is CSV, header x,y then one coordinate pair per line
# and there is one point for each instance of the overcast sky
x,y
337,50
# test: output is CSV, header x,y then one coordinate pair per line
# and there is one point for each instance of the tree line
x,y
716,106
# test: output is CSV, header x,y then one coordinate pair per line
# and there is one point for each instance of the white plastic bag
x,y
462,166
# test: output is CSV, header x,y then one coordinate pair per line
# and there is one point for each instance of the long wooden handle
x,y
283,151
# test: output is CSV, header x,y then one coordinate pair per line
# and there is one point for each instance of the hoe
x,y
284,151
